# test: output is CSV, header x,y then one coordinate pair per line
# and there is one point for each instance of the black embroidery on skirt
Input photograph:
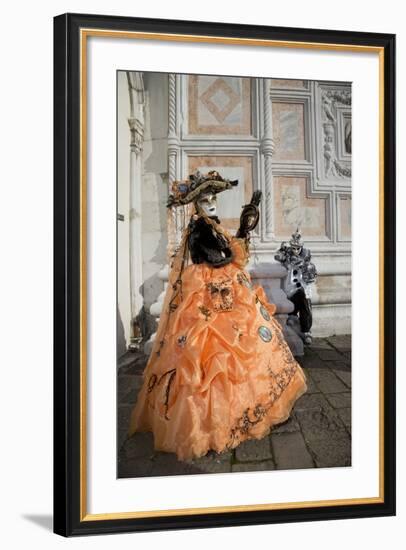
x,y
277,385
279,382
151,382
161,345
171,373
249,418
287,354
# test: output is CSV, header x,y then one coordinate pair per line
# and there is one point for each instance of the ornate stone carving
x,y
331,100
137,135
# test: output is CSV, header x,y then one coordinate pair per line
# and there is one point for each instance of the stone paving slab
x,y
325,434
254,449
262,466
213,463
345,415
330,446
342,371
329,355
319,344
327,381
140,445
342,366
132,363
167,464
317,434
290,452
311,386
123,418
308,401
339,400
126,385
291,425
140,467
311,361
344,376
342,343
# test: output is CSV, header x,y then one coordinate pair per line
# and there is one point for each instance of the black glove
x,y
250,215
256,197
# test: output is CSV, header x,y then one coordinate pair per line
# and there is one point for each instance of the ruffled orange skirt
x,y
223,372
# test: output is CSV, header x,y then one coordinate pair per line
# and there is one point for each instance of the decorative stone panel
x,y
344,204
288,131
294,208
219,105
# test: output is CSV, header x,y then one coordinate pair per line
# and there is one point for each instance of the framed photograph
x,y
224,252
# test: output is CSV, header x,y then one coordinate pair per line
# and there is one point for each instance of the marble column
x,y
136,126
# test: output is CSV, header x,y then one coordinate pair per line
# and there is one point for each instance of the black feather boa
x,y
207,246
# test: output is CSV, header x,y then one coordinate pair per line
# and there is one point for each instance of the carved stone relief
x,y
293,208
337,130
288,130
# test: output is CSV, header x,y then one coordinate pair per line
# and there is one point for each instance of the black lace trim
x,y
277,385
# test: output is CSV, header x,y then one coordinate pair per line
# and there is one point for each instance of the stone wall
x,y
289,138
292,140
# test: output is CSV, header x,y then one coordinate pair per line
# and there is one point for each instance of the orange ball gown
x,y
220,371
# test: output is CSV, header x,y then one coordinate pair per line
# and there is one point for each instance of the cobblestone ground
x,y
317,435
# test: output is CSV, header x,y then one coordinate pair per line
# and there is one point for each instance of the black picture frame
x,y
68,519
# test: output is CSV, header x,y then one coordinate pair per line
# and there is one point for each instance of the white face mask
x,y
208,204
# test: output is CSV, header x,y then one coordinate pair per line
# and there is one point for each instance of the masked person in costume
x,y
220,371
301,274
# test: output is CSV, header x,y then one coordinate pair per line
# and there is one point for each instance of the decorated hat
x,y
189,190
296,239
